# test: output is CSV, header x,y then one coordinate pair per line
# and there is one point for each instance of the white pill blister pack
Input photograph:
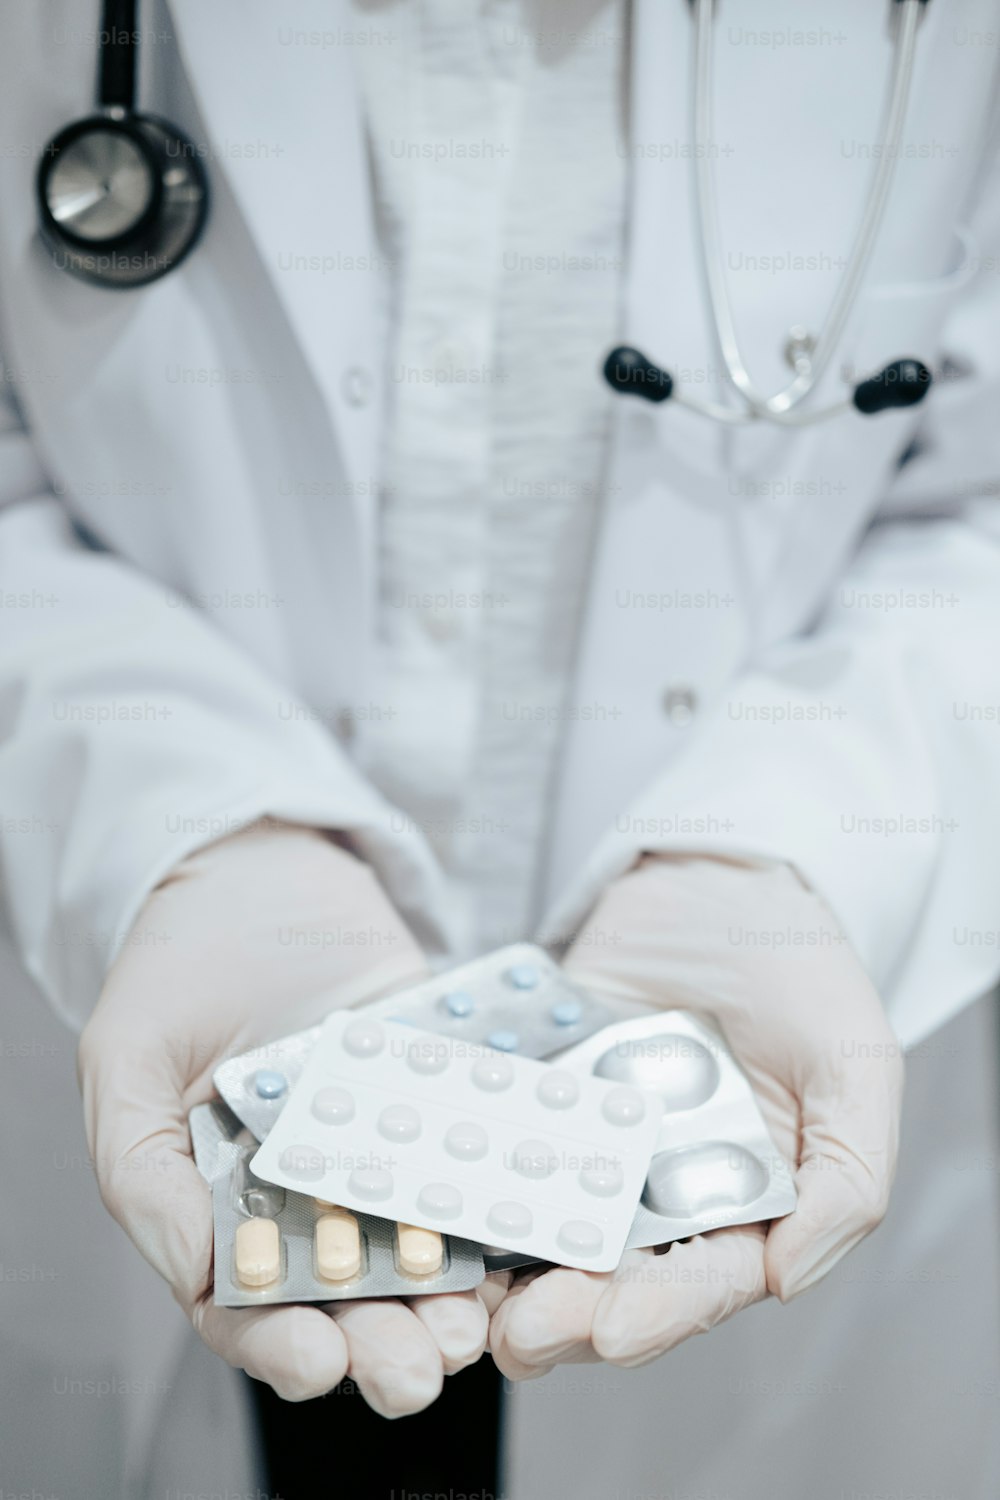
x,y
714,1163
500,1149
273,1246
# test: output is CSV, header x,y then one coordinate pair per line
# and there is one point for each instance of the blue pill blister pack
x,y
515,1000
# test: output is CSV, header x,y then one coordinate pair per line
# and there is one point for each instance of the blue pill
x,y
269,1083
503,1041
523,977
566,1012
459,1003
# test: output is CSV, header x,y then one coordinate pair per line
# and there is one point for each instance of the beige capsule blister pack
x,y
273,1245
714,1162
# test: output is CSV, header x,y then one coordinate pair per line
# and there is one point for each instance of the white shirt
x,y
497,146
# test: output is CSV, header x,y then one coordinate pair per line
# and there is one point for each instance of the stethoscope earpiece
x,y
904,382
629,372
122,196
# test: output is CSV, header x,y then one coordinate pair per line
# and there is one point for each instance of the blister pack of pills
x,y
715,1163
504,1149
273,1245
256,1084
516,999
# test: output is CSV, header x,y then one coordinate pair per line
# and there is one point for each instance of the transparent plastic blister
x,y
443,1133
714,1163
365,1256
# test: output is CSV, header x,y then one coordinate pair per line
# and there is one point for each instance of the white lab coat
x,y
140,682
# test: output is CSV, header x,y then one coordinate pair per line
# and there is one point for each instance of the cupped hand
x,y
258,935
750,948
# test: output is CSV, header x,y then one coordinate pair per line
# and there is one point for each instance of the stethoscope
x,y
901,383
123,198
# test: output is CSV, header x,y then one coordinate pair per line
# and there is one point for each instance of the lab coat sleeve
x,y
131,732
866,751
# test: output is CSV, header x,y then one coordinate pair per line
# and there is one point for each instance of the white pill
x,y
373,1184
420,1251
363,1039
535,1160
333,1105
439,1200
303,1163
623,1106
427,1058
400,1123
258,1252
467,1141
558,1090
510,1220
493,1074
579,1238
604,1180
337,1241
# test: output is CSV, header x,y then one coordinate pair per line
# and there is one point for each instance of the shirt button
x,y
357,385
679,705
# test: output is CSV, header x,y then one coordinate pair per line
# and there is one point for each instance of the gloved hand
x,y
255,936
751,948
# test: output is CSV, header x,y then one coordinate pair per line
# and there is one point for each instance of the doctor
x,y
353,623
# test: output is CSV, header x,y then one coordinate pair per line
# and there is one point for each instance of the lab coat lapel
x,y
276,90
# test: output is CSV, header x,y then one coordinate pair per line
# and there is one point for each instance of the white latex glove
x,y
752,949
253,937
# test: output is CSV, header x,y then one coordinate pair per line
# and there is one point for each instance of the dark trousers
x,y
337,1445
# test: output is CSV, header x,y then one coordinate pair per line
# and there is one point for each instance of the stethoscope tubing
x,y
780,407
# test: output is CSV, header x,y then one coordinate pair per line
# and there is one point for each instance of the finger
x,y
393,1359
655,1302
850,1141
546,1321
296,1350
494,1289
458,1323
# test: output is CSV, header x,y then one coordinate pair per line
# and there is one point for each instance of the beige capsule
x,y
421,1251
258,1252
337,1241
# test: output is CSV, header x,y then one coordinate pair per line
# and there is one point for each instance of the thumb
x,y
136,1122
849,1144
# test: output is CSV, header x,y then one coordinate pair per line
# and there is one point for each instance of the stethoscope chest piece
x,y
122,198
